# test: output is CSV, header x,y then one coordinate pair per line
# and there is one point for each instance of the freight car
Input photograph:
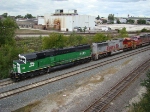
x,y
38,63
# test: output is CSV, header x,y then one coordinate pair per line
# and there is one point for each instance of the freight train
x,y
39,63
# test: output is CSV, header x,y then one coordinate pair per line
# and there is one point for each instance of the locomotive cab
x,y
21,66
16,71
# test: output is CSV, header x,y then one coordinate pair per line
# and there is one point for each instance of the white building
x,y
123,20
64,21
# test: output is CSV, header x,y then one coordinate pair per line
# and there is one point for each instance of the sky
x,y
120,8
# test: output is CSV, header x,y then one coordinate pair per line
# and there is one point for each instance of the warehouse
x,y
64,20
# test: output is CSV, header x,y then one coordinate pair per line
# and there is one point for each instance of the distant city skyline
x,y
120,8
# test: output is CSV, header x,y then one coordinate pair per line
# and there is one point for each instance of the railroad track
x,y
6,83
66,75
102,103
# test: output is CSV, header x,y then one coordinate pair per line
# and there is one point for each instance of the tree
x,y
123,33
7,31
19,16
7,54
54,40
104,21
130,21
75,39
99,37
111,18
85,29
144,30
118,21
8,49
28,16
141,21
98,17
5,15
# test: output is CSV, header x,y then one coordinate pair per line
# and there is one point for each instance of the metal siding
x,y
116,43
72,21
41,21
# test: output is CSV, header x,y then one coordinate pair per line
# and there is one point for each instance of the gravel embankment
x,y
74,93
130,96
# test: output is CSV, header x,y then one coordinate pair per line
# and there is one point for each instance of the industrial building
x,y
26,23
66,20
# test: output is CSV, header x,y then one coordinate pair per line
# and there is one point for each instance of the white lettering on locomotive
x,y
31,64
82,53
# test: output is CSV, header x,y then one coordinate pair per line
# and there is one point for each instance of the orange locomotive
x,y
128,43
137,41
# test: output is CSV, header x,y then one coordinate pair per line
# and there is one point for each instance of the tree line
x,y
27,16
111,18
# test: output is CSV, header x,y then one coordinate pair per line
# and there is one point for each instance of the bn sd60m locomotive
x,y
42,62
39,63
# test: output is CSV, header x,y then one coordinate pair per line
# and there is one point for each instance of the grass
x,y
27,108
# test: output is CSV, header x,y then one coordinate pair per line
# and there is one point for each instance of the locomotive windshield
x,y
22,58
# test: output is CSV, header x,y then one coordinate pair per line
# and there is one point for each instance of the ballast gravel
x,y
73,94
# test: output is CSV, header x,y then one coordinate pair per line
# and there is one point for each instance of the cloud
x,y
87,7
124,0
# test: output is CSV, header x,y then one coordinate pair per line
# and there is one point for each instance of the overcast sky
x,y
120,8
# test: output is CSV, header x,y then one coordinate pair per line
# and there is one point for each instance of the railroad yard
x,y
75,89
86,56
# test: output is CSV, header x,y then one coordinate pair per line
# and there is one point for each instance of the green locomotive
x,y
38,63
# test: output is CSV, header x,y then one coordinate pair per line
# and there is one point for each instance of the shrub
x,y
123,33
144,30
99,37
7,54
54,40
